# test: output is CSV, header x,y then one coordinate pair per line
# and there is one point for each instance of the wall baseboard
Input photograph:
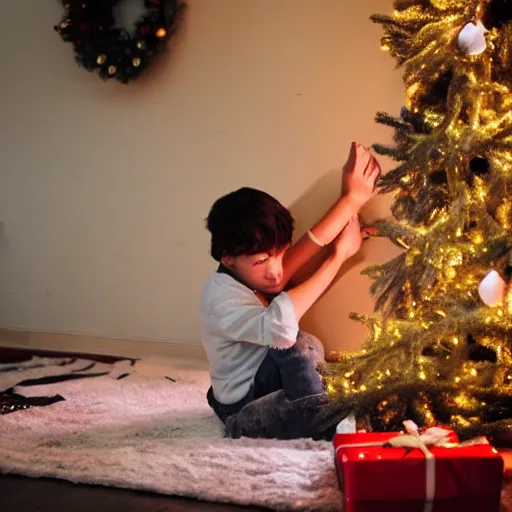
x,y
73,343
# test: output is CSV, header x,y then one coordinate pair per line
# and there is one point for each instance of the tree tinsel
x,y
436,351
113,52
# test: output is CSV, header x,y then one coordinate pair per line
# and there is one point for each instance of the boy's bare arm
x,y
344,246
305,251
360,173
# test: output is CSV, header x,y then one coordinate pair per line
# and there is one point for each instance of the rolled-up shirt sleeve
x,y
244,319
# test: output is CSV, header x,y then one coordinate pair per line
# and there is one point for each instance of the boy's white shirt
x,y
237,331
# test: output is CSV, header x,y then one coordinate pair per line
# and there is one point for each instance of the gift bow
x,y
433,436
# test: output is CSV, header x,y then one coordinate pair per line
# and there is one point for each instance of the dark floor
x,y
22,494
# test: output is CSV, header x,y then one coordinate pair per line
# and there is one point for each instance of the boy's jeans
x,y
286,385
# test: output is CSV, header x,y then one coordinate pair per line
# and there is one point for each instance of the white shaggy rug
x,y
152,430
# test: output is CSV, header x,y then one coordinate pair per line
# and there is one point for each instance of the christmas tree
x,y
439,349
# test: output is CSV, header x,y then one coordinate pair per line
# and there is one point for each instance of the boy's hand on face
x,y
359,175
349,240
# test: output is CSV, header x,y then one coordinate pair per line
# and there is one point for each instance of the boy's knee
x,y
310,346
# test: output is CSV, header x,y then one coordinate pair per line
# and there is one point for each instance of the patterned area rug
x,y
135,425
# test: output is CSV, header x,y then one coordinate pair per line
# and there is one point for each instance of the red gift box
x,y
373,473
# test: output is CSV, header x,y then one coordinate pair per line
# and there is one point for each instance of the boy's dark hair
x,y
248,221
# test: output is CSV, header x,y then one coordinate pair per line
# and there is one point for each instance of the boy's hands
x,y
359,175
349,241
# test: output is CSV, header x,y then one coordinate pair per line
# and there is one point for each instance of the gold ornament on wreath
x,y
101,46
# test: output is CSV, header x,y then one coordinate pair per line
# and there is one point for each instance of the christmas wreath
x,y
112,51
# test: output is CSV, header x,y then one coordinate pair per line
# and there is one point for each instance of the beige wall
x,y
104,187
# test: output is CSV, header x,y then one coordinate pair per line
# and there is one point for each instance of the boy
x,y
251,307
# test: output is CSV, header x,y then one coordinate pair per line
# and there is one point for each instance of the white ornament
x,y
472,38
347,426
492,289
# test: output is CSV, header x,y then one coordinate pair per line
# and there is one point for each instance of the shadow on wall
x,y
312,205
